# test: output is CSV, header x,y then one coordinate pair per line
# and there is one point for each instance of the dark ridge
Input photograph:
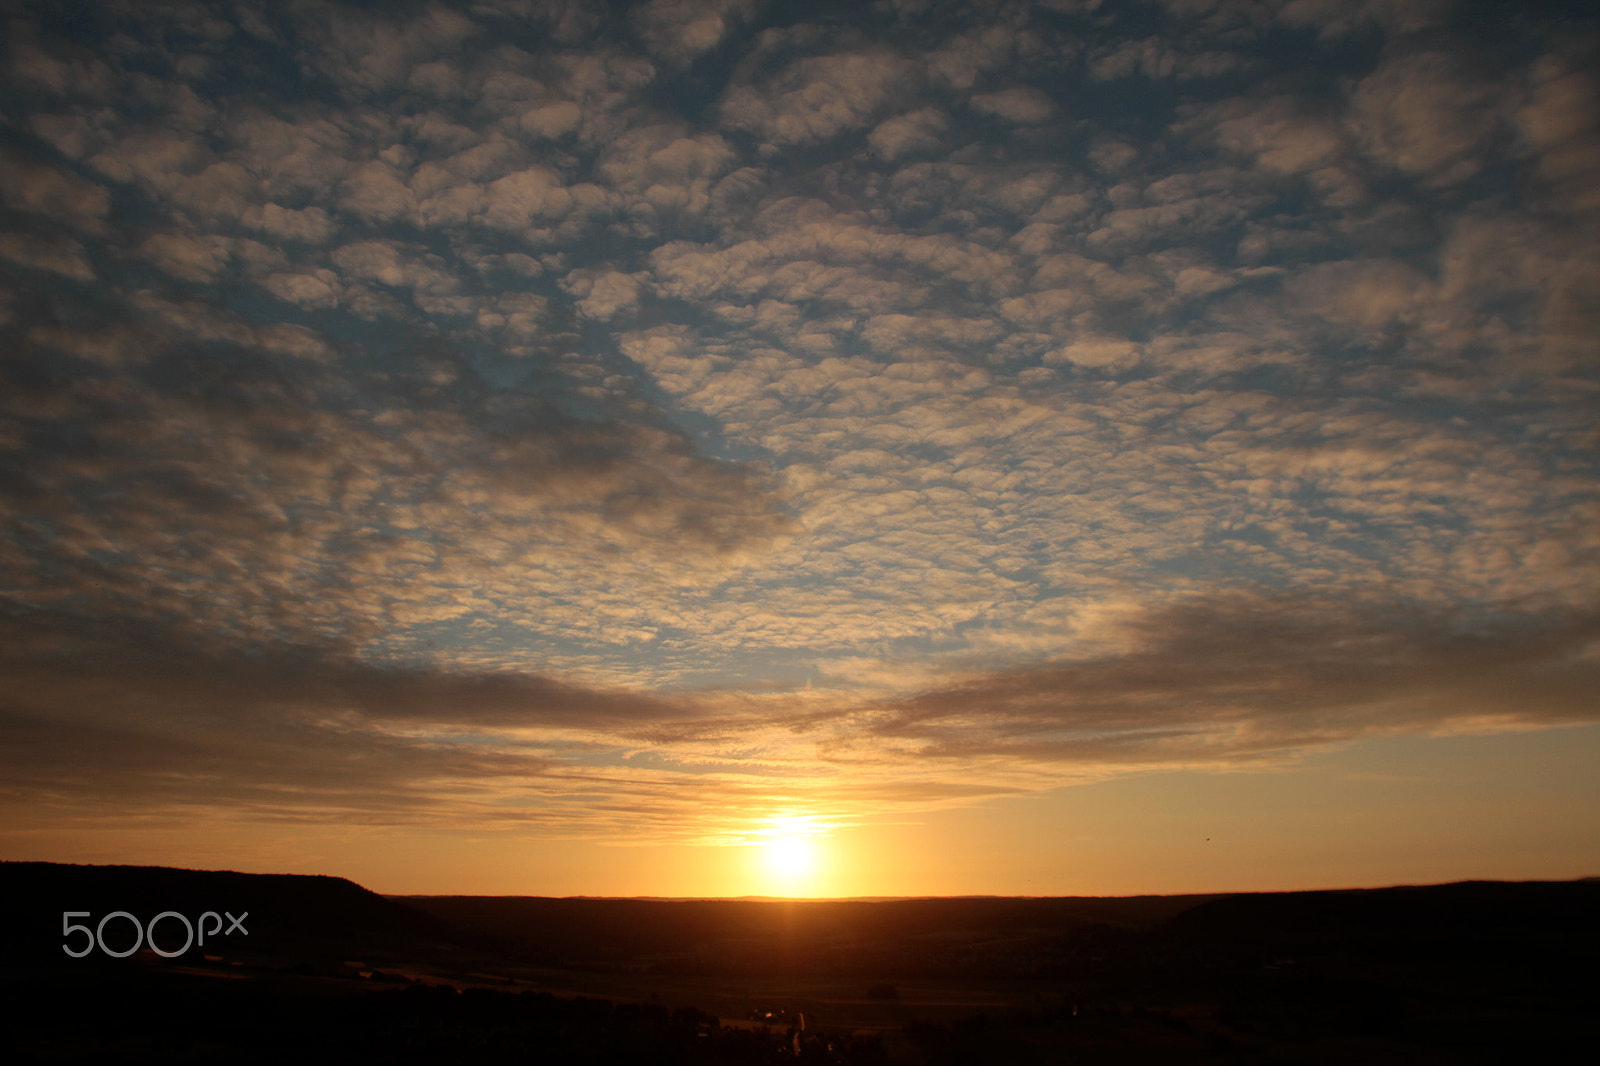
x,y
780,936
1475,906
1474,972
291,917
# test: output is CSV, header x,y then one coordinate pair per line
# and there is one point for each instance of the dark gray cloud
x,y
1249,676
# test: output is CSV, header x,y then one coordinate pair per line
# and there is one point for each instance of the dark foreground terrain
x,y
321,970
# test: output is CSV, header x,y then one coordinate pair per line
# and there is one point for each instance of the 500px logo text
x,y
143,934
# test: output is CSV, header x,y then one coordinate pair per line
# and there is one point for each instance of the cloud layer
x,y
527,412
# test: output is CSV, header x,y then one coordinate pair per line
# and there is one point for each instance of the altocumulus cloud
x,y
591,417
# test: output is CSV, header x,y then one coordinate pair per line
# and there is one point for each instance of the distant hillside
x,y
990,936
1476,908
789,936
295,919
1540,936
291,917
1473,972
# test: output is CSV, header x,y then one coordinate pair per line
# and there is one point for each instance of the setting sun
x,y
791,855
791,858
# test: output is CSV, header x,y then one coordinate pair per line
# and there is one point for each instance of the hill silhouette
x,y
935,935
289,918
1474,972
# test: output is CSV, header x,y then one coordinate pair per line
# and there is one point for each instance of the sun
x,y
790,856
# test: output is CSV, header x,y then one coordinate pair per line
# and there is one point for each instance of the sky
x,y
724,447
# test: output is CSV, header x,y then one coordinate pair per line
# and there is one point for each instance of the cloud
x,y
308,736
817,97
805,251
602,295
396,266
61,71
967,56
1022,106
180,169
551,120
909,133
54,194
1336,19
1276,133
513,202
495,413
1156,57
303,735
1242,677
662,170
56,255
197,259
1368,295
1561,122
1420,112
680,30
366,53
439,505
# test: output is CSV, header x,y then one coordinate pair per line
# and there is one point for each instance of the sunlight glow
x,y
791,854
791,858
